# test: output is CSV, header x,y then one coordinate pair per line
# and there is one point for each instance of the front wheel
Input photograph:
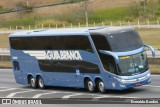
x,y
89,86
41,84
100,86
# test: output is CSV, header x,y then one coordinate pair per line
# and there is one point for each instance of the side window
x,y
44,43
34,43
108,63
75,43
83,43
100,42
51,43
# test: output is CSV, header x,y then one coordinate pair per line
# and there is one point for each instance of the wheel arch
x,y
28,78
97,78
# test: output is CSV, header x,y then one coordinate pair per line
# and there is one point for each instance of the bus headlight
x,y
121,80
148,75
126,80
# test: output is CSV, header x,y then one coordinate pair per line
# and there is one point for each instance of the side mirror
x,y
112,54
152,49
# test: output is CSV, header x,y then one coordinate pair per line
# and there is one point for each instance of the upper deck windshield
x,y
124,41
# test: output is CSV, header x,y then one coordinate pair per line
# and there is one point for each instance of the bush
x,y
22,6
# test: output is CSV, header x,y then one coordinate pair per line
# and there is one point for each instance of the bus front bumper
x,y
127,84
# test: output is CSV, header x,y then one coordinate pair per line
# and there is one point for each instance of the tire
x,y
100,86
40,82
32,82
89,86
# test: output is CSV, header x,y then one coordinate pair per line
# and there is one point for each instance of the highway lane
x,y
10,89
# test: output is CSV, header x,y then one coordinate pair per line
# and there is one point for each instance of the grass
x,y
5,64
4,41
108,14
150,37
98,11
155,68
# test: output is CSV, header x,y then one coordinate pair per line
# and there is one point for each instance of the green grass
x,y
132,12
20,22
112,14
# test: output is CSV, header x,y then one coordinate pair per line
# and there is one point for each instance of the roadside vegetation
x,y
75,14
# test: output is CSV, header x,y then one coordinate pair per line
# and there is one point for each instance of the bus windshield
x,y
124,41
132,65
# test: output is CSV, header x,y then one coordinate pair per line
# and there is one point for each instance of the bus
x,y
97,58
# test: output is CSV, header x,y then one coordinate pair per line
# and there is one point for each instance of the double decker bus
x,y
93,58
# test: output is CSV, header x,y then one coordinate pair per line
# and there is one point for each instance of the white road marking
x,y
13,94
39,95
3,87
155,75
101,97
113,96
7,89
68,96
151,86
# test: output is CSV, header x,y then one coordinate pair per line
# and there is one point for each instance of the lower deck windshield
x,y
128,65
132,65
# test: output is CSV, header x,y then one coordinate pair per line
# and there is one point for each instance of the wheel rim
x,y
41,83
33,82
90,85
101,86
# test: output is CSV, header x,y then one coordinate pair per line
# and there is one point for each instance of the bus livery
x,y
92,58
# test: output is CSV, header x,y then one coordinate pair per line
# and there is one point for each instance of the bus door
x,y
109,65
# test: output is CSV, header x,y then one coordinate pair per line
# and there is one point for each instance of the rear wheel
x,y
41,84
32,82
100,86
89,86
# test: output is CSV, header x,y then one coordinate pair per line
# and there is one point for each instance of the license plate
x,y
138,84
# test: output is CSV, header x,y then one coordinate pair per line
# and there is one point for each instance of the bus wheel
x,y
33,83
100,86
41,83
89,86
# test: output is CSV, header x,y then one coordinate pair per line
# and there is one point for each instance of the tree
x,y
23,6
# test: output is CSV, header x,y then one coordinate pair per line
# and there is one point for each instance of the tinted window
x,y
108,63
100,42
51,43
68,66
124,41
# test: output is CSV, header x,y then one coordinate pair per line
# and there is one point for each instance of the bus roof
x,y
70,31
